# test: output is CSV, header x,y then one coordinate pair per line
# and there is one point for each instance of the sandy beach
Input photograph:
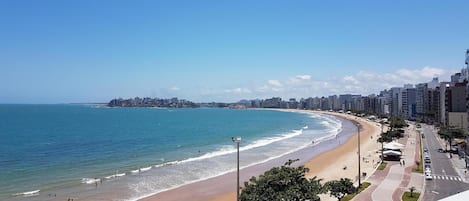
x,y
336,159
330,165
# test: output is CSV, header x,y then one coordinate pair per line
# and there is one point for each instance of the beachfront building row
x,y
443,104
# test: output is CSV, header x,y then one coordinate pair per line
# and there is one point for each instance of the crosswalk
x,y
445,177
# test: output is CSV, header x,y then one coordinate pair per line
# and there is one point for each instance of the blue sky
x,y
93,51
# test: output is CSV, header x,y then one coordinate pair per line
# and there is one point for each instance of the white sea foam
x,y
115,175
28,193
333,127
110,177
259,143
148,187
145,169
120,175
90,180
332,124
230,149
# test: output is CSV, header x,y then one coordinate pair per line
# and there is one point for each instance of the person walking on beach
x,y
403,162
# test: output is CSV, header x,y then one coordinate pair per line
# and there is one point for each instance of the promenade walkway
x,y
389,184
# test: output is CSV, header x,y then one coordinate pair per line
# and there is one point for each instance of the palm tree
x,y
412,189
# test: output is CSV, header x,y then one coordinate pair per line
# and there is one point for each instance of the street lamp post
x,y
237,140
359,157
382,142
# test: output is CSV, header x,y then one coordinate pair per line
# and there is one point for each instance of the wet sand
x,y
325,160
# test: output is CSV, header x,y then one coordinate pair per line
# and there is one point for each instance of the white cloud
x,y
238,90
425,72
303,77
300,79
275,83
350,79
175,88
362,82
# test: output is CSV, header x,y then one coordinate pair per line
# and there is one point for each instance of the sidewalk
x,y
396,178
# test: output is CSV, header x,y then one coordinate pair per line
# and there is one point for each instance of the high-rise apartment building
x,y
396,101
409,102
421,100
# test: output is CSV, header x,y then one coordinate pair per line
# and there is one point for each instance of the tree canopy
x,y
451,133
397,123
282,183
340,188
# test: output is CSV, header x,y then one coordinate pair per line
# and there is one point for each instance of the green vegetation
x,y
397,123
282,183
449,134
382,166
407,196
419,168
396,130
362,188
289,183
419,163
340,188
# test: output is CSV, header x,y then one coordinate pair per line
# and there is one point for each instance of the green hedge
x,y
362,188
382,166
406,196
419,168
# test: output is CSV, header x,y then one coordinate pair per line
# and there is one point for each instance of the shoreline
x,y
218,189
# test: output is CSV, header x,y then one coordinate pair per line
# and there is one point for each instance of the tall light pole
x,y
237,140
382,142
359,158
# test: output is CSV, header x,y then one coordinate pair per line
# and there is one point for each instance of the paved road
x,y
445,181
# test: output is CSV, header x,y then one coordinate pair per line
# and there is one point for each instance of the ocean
x,y
90,153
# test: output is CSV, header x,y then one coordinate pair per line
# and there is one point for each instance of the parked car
x,y
428,170
428,176
425,150
427,160
426,155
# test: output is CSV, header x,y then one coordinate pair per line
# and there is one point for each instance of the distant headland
x,y
152,102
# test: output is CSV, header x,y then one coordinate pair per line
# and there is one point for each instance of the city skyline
x,y
63,52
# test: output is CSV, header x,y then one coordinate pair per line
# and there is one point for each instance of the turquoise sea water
x,y
62,149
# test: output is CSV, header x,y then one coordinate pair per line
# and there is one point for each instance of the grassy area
x,y
406,196
419,167
362,188
382,166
